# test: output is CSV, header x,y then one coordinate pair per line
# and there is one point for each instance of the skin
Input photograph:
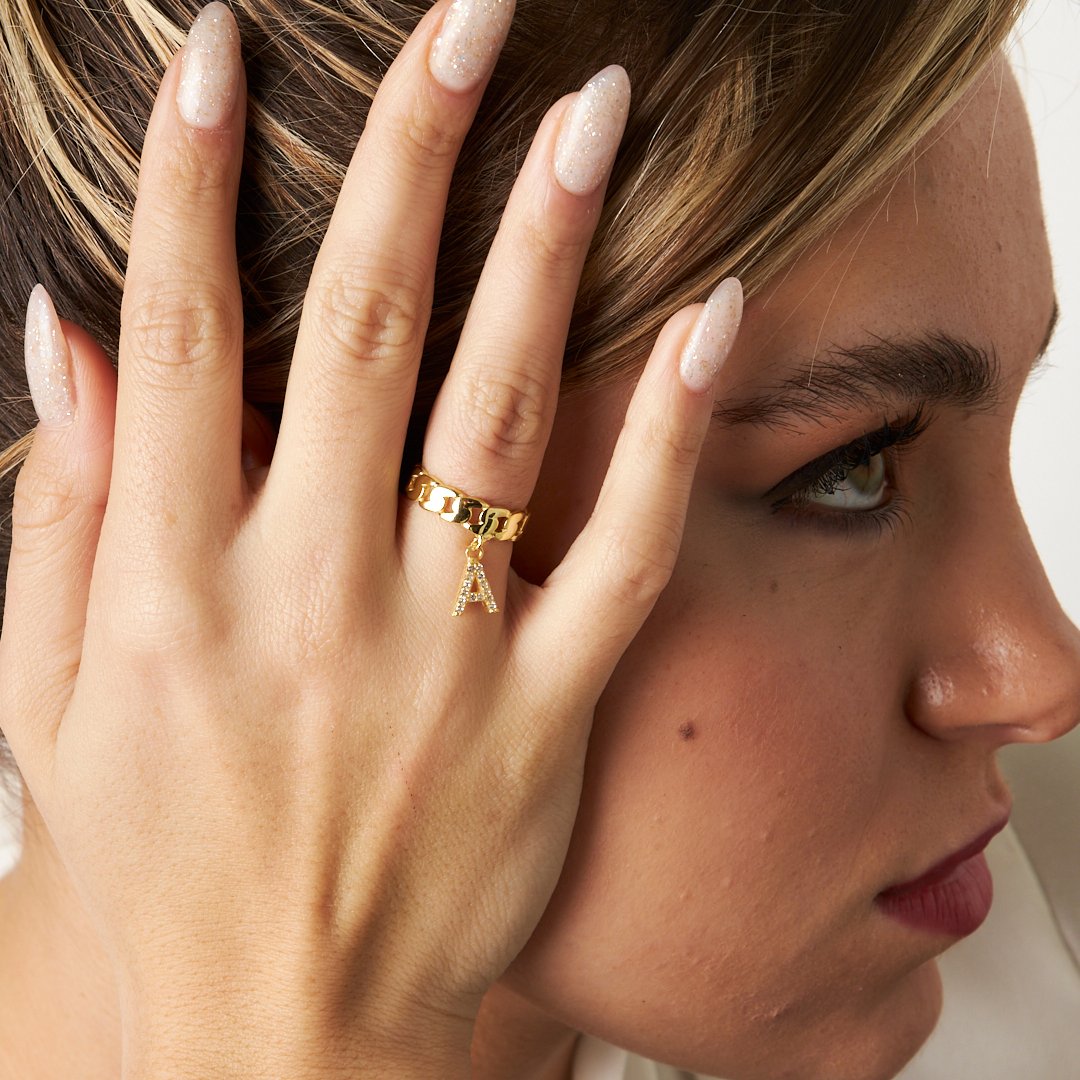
x,y
776,717
806,664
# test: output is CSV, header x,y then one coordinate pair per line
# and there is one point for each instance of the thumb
x,y
58,506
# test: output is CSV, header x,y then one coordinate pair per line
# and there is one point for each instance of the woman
x,y
286,815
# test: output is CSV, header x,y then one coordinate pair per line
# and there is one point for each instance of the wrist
x,y
234,1056
226,1041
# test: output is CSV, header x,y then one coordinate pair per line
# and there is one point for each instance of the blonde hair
x,y
753,131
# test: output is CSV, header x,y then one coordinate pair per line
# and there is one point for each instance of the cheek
x,y
718,884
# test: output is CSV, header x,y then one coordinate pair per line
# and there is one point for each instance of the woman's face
x,y
811,712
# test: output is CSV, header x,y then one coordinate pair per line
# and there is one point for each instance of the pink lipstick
x,y
953,897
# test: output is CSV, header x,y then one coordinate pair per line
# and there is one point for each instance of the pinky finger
x,y
56,516
623,558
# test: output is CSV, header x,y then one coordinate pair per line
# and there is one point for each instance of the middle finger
x,y
368,302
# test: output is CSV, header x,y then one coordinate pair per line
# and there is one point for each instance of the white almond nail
x,y
592,130
713,334
48,362
472,33
211,68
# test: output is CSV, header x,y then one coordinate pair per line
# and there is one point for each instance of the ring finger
x,y
493,416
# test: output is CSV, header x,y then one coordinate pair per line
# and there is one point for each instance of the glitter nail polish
x,y
472,33
48,362
211,68
713,334
591,131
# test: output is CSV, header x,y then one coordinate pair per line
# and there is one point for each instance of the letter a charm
x,y
474,585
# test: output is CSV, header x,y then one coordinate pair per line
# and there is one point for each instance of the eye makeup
x,y
795,494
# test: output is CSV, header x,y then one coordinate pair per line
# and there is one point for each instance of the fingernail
x,y
713,334
48,362
472,33
591,131
211,68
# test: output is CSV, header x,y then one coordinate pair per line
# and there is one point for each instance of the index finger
x,y
179,405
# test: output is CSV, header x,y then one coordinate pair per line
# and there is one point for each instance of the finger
x,y
178,422
368,302
59,502
623,558
492,419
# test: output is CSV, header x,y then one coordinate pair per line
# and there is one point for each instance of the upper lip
x,y
943,869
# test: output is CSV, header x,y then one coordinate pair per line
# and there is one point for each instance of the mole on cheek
x,y
686,731
774,586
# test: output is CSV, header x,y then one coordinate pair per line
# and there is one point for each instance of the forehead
x,y
955,241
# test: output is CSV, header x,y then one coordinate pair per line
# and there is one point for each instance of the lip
x,y
940,871
953,897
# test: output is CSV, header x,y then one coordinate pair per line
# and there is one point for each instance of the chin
x,y
872,1044
869,1037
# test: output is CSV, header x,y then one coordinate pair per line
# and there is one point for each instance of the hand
x,y
313,816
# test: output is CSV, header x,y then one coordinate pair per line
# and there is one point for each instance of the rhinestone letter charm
x,y
474,585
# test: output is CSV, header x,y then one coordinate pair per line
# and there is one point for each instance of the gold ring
x,y
484,521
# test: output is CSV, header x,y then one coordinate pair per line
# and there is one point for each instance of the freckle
x,y
774,586
686,731
999,247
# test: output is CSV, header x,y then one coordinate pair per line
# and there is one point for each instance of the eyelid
x,y
891,434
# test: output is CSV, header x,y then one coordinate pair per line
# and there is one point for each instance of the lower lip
x,y
957,905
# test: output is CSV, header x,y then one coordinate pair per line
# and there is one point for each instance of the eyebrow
x,y
936,368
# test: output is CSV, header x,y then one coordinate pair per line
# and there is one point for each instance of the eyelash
x,y
822,475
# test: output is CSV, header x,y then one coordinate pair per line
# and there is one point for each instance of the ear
x,y
257,447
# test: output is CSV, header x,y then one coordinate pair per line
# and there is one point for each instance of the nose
x,y
998,659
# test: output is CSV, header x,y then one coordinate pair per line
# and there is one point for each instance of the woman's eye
x,y
857,487
852,486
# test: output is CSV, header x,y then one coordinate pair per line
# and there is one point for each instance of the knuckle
x,y
549,249
640,563
311,638
192,173
40,504
366,313
179,326
424,142
504,416
314,624
166,618
670,445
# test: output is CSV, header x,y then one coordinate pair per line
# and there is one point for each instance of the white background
x,y
1045,54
